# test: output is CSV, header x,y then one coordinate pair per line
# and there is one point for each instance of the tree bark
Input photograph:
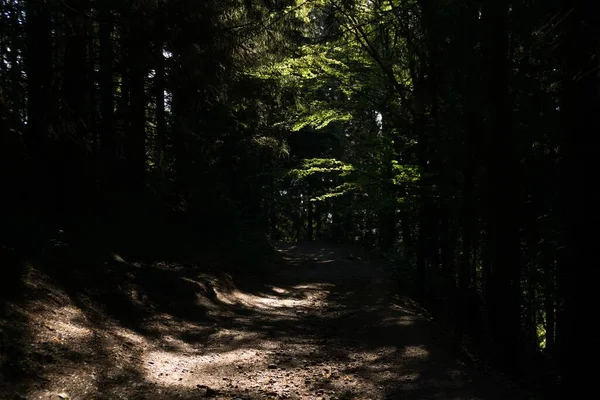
x,y
108,145
503,189
135,141
38,191
578,197
159,89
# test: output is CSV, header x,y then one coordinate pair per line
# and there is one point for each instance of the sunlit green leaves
x,y
337,191
405,174
314,166
319,118
276,148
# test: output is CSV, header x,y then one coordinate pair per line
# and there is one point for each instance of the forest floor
x,y
321,326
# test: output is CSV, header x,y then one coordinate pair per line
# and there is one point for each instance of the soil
x,y
324,324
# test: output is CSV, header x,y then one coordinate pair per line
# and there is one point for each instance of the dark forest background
x,y
451,137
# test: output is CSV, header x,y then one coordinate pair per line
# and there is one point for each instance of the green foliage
x,y
337,191
405,174
319,118
310,167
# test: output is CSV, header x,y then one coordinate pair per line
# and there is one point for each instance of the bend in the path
x,y
322,326
332,327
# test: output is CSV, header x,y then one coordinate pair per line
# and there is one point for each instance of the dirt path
x,y
324,327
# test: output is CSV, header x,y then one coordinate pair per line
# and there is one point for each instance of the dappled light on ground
x,y
334,331
292,299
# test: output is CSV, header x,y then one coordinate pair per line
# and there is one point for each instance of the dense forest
x,y
449,137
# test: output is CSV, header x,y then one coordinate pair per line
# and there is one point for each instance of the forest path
x,y
324,326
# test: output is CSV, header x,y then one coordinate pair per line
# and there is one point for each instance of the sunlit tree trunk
x,y
159,92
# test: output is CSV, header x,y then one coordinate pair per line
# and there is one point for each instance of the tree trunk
x,y
135,141
309,220
38,192
407,240
580,119
108,145
71,169
549,299
38,63
504,186
318,220
467,212
159,89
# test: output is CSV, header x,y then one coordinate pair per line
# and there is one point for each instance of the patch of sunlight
x,y
176,369
234,335
65,323
83,383
313,286
372,358
226,298
387,351
266,302
405,320
71,330
118,258
324,261
128,336
418,351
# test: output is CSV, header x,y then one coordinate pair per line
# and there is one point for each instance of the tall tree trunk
x,y
123,117
549,299
71,169
503,189
467,212
387,216
182,95
318,219
309,220
39,68
407,240
579,108
16,70
424,238
108,144
159,88
135,141
38,63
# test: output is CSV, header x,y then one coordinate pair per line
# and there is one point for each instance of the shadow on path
x,y
323,325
